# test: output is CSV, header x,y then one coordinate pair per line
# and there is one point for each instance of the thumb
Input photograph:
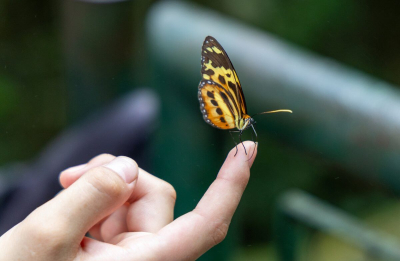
x,y
95,195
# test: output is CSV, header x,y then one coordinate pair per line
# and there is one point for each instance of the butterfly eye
x,y
252,121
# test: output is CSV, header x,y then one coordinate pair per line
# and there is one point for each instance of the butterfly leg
x,y
230,132
255,142
240,139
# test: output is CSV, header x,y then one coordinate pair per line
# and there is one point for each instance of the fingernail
x,y
125,167
75,168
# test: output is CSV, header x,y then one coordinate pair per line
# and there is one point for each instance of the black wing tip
x,y
209,38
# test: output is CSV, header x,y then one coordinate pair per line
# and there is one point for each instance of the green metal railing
x,y
298,208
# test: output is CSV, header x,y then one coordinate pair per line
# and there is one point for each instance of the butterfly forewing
x,y
217,67
216,106
220,94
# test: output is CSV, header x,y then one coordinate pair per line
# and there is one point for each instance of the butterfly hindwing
x,y
216,105
217,67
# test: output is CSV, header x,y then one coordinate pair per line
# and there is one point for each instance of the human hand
x,y
129,214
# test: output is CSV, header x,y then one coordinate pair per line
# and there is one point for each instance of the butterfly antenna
x,y
283,110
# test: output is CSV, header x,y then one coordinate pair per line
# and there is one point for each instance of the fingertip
x,y
66,179
68,176
62,180
246,150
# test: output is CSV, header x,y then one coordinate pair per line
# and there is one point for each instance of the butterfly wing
x,y
217,67
216,105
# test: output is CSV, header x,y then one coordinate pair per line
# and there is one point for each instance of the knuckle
x,y
167,189
219,232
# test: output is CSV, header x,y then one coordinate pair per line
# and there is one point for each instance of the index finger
x,y
194,233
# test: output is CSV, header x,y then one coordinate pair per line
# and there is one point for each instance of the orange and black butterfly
x,y
221,97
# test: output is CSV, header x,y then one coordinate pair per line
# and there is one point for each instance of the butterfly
x,y
220,93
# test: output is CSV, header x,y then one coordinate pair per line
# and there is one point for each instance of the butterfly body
x,y
220,93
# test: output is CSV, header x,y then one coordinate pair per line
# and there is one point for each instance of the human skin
x,y
128,213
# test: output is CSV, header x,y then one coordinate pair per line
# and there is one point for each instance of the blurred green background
x,y
39,98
